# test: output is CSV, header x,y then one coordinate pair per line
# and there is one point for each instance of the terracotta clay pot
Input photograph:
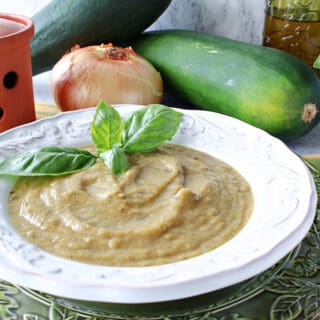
x,y
16,90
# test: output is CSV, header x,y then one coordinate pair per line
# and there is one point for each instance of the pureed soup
x,y
170,205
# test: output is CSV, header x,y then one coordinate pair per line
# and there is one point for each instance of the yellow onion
x,y
84,76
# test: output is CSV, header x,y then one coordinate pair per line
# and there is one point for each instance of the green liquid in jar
x,y
293,28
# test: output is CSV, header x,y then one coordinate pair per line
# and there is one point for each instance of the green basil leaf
x,y
116,160
317,63
149,127
47,161
106,129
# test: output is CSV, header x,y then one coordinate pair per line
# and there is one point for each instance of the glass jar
x,y
293,26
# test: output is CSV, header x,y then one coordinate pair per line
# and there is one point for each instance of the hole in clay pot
x,y
10,80
1,113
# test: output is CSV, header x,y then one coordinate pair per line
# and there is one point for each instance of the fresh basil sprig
x,y
143,131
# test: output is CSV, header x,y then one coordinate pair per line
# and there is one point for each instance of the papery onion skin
x,y
84,76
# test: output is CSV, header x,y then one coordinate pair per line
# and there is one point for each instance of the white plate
x,y
285,202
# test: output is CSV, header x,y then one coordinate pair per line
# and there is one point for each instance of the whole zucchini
x,y
265,87
61,24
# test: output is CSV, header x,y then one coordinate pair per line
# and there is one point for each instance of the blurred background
x,y
241,20
236,19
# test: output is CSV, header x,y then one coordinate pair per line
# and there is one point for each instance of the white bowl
x,y
285,203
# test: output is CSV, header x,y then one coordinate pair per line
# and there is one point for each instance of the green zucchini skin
x,y
61,24
262,86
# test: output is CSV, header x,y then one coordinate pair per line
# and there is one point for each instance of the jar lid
x,y
297,10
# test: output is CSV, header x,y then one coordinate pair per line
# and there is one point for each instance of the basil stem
x,y
116,160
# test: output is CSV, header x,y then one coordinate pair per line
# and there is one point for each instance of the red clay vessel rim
x,y
25,33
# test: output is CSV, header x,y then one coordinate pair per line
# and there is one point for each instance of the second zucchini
x,y
265,87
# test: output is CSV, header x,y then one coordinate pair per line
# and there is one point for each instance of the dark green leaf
x,y
312,304
289,285
115,159
106,127
47,161
286,307
313,238
149,127
306,265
